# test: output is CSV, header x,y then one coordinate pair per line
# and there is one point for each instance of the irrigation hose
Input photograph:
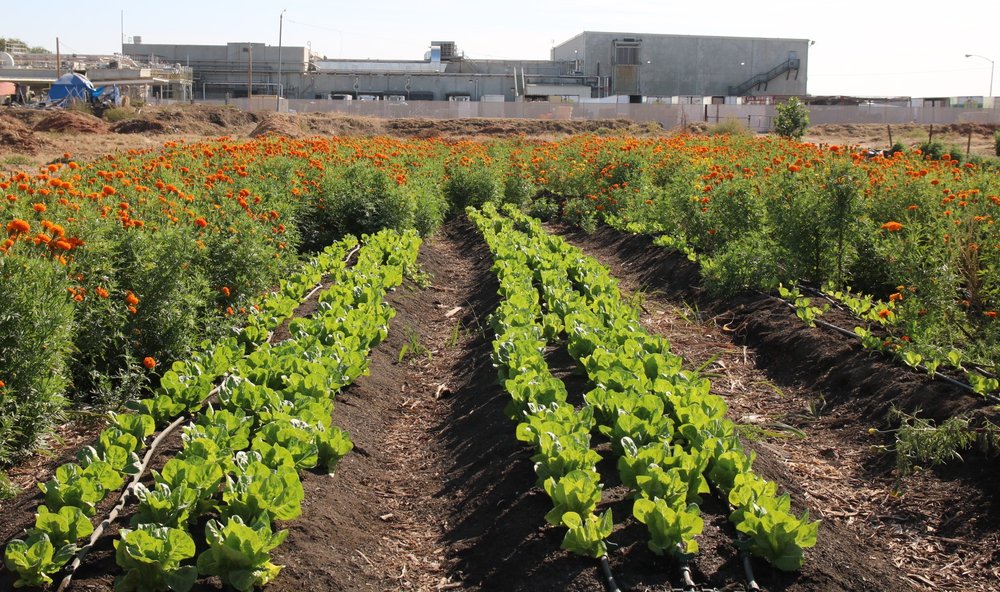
x,y
130,489
935,376
748,570
685,569
113,515
609,578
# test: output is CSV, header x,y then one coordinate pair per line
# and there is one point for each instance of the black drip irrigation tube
x,y
129,491
609,578
935,376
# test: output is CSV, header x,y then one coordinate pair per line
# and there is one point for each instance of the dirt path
x,y
808,399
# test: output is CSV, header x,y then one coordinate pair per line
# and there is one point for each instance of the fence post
x,y
889,129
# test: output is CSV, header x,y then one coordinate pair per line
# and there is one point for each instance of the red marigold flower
x,y
892,226
201,222
149,362
991,313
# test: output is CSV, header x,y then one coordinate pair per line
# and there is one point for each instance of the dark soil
x,y
936,528
139,126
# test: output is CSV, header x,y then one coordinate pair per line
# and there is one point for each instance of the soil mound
x,y
280,125
17,137
72,121
420,127
204,120
331,124
139,126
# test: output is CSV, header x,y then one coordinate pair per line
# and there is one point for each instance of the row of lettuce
x,y
241,455
669,435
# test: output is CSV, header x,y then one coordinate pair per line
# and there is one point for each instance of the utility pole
x,y
277,100
58,61
249,73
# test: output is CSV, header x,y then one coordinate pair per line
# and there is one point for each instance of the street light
x,y
975,55
249,50
281,22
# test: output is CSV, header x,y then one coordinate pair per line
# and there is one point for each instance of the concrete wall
x,y
692,65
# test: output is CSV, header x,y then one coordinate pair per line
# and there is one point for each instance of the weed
x,y
413,348
17,160
7,489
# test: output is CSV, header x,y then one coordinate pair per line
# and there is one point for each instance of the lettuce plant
x,y
151,558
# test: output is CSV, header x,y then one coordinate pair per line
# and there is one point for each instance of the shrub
x,y
36,324
996,142
471,185
792,119
729,126
360,199
116,114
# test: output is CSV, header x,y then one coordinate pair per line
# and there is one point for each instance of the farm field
x,y
439,488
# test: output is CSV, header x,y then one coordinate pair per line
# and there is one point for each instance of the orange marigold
x,y
130,298
201,222
149,362
17,226
892,226
39,207
102,292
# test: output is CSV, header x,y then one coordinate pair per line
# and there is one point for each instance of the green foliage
x,y
996,142
586,533
792,119
36,324
66,526
773,532
473,184
919,440
116,114
359,199
672,527
151,560
578,491
240,554
36,560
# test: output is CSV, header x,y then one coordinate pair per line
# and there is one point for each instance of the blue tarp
x,y
72,86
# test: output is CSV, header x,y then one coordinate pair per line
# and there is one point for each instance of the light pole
x,y
249,50
281,23
975,55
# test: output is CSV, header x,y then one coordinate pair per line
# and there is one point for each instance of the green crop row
x,y
183,489
669,432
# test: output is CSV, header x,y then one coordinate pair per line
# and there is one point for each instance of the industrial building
x,y
593,66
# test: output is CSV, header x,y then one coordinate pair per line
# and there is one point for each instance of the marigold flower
x,y
108,190
201,222
884,313
17,226
149,362
896,297
39,207
892,226
225,291
991,313
130,298
102,292
2,384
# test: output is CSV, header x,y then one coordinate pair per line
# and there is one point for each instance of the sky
x,y
861,48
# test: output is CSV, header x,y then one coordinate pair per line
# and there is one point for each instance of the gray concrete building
x,y
592,65
654,65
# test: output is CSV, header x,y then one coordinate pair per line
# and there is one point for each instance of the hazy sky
x,y
862,48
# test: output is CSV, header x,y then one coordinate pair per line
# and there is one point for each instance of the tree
x,y
792,119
